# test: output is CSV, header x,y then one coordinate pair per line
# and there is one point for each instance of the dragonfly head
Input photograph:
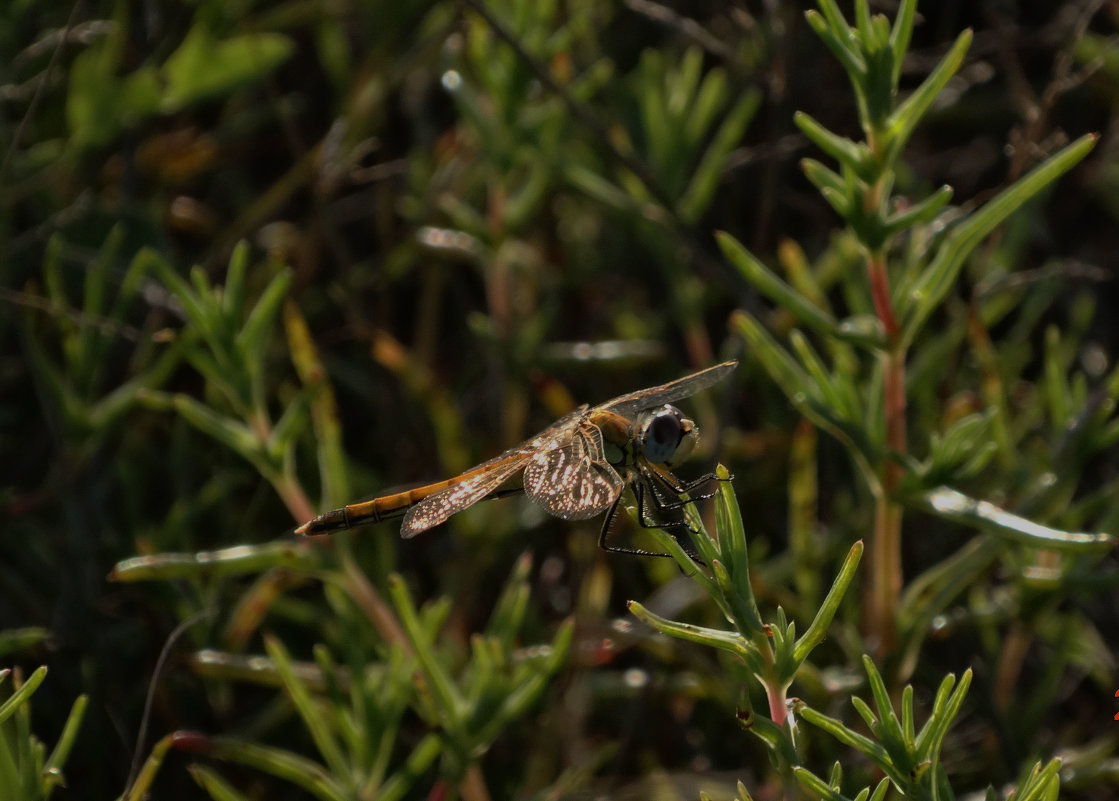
x,y
666,435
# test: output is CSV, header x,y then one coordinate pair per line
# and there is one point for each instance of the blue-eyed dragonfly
x,y
577,468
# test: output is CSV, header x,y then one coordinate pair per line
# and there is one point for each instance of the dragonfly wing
x,y
488,476
435,509
667,393
561,427
573,481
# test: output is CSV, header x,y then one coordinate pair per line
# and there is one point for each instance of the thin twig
x,y
157,674
687,27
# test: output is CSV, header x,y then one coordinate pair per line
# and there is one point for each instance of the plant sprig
x,y
867,412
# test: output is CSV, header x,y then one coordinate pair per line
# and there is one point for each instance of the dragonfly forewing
x,y
667,393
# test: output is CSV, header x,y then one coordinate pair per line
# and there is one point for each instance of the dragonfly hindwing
x,y
574,481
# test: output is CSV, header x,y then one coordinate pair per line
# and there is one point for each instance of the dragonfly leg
x,y
604,533
666,493
675,488
654,502
692,487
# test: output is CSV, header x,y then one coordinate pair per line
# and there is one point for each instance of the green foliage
x,y
677,112
866,410
227,343
909,758
355,714
771,652
27,772
101,104
70,360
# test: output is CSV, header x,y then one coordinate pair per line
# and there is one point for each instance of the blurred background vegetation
x,y
420,232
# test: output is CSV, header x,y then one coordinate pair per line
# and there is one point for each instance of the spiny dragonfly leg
x,y
604,534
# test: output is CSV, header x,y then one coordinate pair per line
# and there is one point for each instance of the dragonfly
x,y
576,469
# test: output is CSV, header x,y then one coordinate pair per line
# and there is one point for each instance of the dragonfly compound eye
x,y
662,434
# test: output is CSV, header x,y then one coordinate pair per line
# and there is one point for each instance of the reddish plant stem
x,y
884,590
287,486
880,293
778,706
295,498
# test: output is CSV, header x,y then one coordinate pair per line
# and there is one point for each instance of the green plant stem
x,y
883,593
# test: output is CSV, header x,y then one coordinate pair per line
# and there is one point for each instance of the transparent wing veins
x,y
435,509
667,393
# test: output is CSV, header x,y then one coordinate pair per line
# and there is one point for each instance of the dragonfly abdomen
x,y
386,507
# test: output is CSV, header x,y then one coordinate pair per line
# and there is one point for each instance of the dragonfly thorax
x,y
665,435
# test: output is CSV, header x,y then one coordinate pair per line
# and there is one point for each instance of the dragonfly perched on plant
x,y
577,468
